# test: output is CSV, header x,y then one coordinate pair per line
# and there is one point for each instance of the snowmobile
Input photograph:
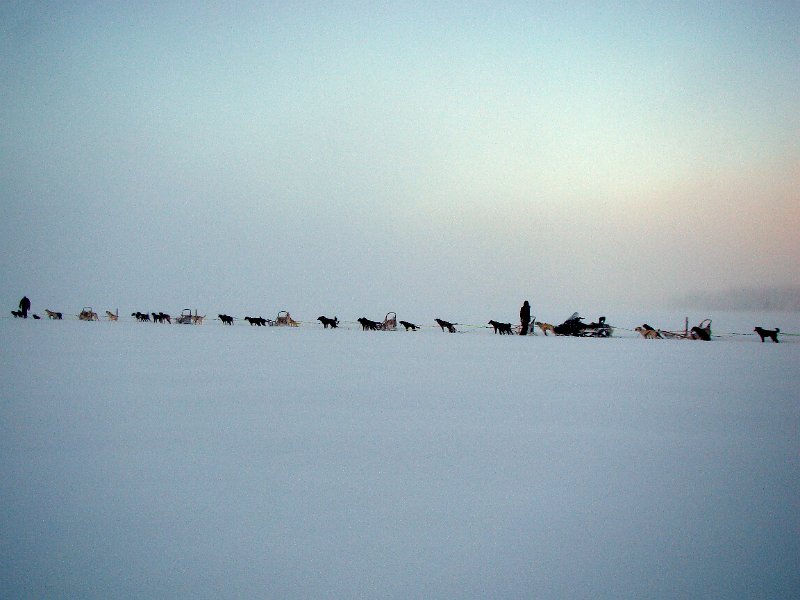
x,y
576,327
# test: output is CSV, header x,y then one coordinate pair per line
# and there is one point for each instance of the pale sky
x,y
356,158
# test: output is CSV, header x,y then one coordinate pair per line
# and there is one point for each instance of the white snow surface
x,y
158,461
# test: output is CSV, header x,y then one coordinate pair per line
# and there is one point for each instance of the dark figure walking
x,y
24,306
525,318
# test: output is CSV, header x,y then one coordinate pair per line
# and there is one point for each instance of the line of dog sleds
x,y
574,326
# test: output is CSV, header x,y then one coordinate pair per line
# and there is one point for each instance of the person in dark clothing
x,y
525,318
24,306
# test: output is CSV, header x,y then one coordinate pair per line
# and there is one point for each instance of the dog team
x,y
646,331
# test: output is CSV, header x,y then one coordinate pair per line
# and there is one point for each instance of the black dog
x,y
501,328
17,314
408,325
141,317
768,333
333,323
367,325
259,321
226,320
445,325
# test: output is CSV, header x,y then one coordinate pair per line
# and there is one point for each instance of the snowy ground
x,y
147,461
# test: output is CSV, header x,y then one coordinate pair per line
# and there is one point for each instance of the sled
x,y
601,329
699,332
87,314
574,326
284,319
186,317
390,322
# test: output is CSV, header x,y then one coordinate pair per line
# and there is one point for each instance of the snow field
x,y
209,462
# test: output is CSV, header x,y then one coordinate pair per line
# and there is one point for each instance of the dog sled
x,y
702,331
87,314
284,319
389,322
574,326
186,317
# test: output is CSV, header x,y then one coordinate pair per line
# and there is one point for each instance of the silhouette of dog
x,y
408,325
445,325
37,317
501,328
326,322
367,325
17,314
258,321
53,315
768,333
545,327
226,319
162,318
141,317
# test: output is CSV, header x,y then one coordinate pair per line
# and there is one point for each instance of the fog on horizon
x,y
359,158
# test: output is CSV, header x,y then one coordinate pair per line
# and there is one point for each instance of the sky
x,y
435,159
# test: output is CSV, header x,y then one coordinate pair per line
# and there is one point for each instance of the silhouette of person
x,y
24,306
525,318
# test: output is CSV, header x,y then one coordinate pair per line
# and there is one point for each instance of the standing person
x,y
24,306
525,318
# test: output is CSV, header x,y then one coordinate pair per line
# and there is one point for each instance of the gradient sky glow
x,y
355,158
